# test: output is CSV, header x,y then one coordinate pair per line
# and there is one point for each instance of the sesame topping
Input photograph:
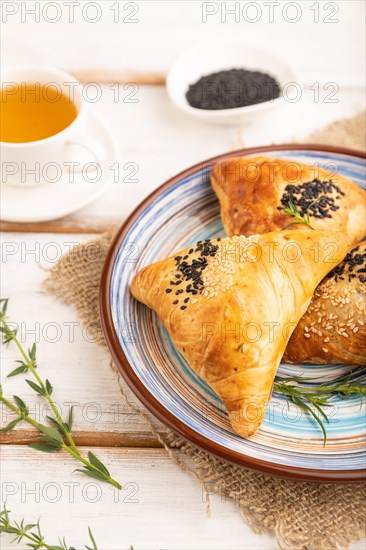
x,y
353,265
347,295
316,198
209,268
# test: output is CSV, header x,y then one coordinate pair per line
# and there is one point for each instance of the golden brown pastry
x,y
254,190
230,306
333,329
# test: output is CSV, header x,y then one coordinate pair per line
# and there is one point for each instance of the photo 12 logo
x,y
269,12
71,12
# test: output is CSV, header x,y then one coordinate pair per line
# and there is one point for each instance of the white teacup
x,y
23,164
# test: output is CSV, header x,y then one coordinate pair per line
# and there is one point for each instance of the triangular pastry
x,y
333,329
253,192
231,305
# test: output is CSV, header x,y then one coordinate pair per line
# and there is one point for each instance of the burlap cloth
x,y
302,515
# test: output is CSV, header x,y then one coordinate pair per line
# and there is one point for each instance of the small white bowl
x,y
213,56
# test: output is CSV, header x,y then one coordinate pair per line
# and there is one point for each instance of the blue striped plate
x,y
289,442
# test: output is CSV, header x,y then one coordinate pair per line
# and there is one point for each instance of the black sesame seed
x,y
183,307
233,87
176,302
192,271
313,197
353,262
186,300
167,290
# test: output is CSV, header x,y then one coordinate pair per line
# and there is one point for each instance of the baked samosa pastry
x,y
254,191
230,306
333,329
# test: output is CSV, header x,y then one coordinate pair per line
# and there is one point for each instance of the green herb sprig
x,y
32,532
57,435
291,210
318,396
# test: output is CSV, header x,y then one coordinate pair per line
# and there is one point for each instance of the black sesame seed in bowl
x,y
232,88
231,82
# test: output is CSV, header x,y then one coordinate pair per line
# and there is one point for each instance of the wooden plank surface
x,y
113,76
138,439
158,141
68,225
161,506
150,39
159,502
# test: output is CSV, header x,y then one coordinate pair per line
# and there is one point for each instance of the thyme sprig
x,y
291,210
57,435
319,396
32,532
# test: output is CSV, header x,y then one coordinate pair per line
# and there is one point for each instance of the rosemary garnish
x,y
291,210
318,396
57,435
32,532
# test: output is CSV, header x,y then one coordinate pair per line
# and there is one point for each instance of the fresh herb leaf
x,y
10,530
91,473
19,370
35,387
10,426
49,388
319,396
4,305
70,421
45,448
36,539
92,539
58,434
53,436
32,353
97,463
22,406
59,427
291,210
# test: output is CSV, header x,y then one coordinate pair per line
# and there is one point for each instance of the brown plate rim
x,y
135,384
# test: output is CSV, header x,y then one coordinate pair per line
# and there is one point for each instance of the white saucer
x,y
50,201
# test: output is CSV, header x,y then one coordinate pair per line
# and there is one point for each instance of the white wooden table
x,y
160,506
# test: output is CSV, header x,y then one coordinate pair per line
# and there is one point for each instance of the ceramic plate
x,y
289,443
